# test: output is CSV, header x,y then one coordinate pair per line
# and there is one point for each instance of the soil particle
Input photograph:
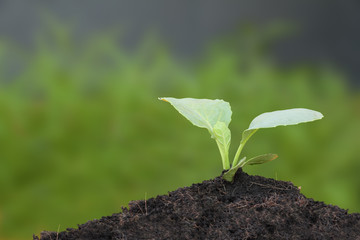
x,y
251,207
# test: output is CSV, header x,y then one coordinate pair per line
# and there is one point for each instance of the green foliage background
x,y
82,132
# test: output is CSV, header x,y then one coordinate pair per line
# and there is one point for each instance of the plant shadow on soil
x,y
252,207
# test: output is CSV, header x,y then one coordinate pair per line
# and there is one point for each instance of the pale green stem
x,y
242,144
224,157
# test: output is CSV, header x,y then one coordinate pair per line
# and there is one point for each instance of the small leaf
x,y
222,136
229,175
261,159
204,113
284,118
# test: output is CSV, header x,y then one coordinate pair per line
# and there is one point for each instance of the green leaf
x,y
261,159
284,118
204,113
274,119
222,136
229,175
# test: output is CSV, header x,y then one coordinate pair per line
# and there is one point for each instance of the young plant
x,y
215,116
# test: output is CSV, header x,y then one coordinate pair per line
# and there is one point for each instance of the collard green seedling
x,y
215,116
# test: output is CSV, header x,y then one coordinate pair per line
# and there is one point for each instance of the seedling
x,y
215,116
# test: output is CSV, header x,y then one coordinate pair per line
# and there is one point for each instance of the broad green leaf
x,y
222,136
229,175
284,118
204,113
274,119
261,159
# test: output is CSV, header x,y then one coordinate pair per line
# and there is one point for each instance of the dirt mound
x,y
252,207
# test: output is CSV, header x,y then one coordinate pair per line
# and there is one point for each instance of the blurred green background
x,y
82,132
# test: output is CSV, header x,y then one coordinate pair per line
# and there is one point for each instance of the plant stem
x,y
224,156
246,136
237,155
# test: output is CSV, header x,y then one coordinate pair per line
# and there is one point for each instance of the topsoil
x,y
252,207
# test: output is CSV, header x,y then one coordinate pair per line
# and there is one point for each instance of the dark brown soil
x,y
252,207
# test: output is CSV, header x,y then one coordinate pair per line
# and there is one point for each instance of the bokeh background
x,y
82,132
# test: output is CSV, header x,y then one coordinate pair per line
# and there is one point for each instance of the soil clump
x,y
252,207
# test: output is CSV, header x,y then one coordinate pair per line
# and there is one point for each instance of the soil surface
x,y
251,207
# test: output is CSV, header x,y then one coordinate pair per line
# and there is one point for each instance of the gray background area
x,y
328,29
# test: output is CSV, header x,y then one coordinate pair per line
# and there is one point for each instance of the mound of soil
x,y
251,207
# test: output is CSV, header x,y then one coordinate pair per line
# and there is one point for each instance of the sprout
x,y
215,116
